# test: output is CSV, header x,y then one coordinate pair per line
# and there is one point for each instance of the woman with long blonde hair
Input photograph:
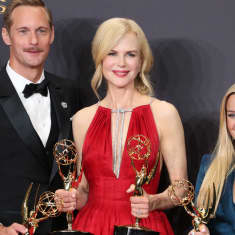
x,y
123,60
215,185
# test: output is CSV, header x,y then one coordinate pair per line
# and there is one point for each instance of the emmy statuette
x,y
66,157
46,207
181,193
139,149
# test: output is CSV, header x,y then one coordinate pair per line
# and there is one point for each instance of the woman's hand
x,y
13,229
140,205
66,200
203,231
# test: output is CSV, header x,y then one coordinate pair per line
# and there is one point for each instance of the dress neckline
x,y
117,150
123,110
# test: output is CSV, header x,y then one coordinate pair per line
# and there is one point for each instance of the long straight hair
x,y
223,162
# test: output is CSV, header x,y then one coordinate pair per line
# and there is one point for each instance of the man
x,y
32,119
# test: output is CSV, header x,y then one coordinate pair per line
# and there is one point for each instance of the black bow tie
x,y
36,88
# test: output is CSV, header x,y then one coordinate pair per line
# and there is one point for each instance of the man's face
x,y
29,38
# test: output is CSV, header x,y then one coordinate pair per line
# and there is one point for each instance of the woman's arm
x,y
172,147
81,123
77,198
82,193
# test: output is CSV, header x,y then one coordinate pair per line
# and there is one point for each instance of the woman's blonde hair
x,y
223,161
107,37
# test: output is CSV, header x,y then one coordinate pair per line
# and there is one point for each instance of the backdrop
x,y
194,48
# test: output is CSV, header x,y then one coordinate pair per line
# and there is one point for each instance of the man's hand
x,y
13,229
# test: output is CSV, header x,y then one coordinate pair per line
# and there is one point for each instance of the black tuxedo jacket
x,y
23,158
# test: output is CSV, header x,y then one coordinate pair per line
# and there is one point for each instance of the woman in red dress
x,y
104,197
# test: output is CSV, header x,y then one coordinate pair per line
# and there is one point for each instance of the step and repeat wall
x,y
193,43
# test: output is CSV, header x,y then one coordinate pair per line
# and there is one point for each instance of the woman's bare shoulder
x,y
84,116
85,112
163,108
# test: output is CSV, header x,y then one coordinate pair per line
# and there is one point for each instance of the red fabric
x,y
31,231
77,181
108,203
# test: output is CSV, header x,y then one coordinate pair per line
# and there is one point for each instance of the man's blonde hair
x,y
7,21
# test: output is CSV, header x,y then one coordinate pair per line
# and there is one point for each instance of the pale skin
x,y
29,40
230,108
203,231
14,229
120,68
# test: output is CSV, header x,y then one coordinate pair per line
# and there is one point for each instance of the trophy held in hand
x,y
181,193
66,156
46,207
139,149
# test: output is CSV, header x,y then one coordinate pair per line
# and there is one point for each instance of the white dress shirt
x,y
38,107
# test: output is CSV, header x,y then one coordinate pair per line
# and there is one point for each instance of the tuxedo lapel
x,y
62,111
60,104
16,113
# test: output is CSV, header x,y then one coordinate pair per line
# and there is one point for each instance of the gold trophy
x,y
139,149
46,207
66,157
181,193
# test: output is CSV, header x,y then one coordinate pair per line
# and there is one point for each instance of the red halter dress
x,y
108,203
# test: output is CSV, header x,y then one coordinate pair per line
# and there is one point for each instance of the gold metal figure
x,y
139,148
181,193
66,157
45,207
2,7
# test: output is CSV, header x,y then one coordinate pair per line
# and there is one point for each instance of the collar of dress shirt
x,y
19,81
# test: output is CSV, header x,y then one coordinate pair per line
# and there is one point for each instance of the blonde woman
x,y
218,169
123,60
